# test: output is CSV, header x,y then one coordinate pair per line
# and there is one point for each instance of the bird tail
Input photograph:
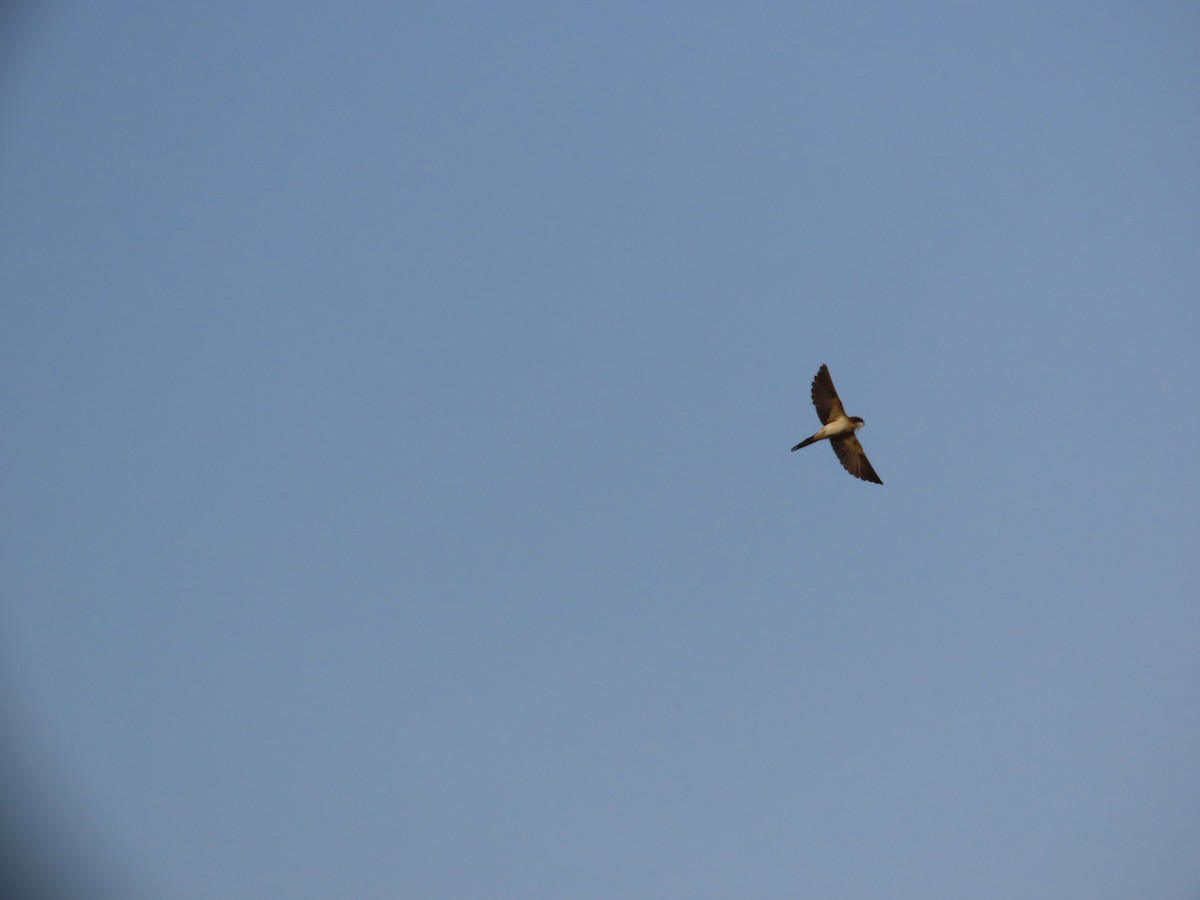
x,y
806,442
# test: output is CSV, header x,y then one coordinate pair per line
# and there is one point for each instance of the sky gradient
x,y
396,489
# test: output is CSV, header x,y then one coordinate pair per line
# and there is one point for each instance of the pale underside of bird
x,y
838,428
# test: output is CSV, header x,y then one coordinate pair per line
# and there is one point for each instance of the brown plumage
x,y
838,429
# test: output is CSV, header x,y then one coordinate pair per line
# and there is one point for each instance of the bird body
x,y
838,428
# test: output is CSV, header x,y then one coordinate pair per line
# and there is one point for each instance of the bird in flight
x,y
839,428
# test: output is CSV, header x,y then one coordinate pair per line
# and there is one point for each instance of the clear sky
x,y
396,489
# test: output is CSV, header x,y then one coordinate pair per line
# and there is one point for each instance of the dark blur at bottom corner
x,y
44,856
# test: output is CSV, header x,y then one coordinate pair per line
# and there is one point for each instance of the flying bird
x,y
839,428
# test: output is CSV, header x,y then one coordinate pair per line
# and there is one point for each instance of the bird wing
x,y
853,458
825,398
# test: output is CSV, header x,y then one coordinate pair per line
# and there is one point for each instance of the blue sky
x,y
396,489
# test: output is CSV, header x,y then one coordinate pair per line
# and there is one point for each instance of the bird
x,y
838,428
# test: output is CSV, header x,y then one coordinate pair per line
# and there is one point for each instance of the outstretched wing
x,y
853,458
824,396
